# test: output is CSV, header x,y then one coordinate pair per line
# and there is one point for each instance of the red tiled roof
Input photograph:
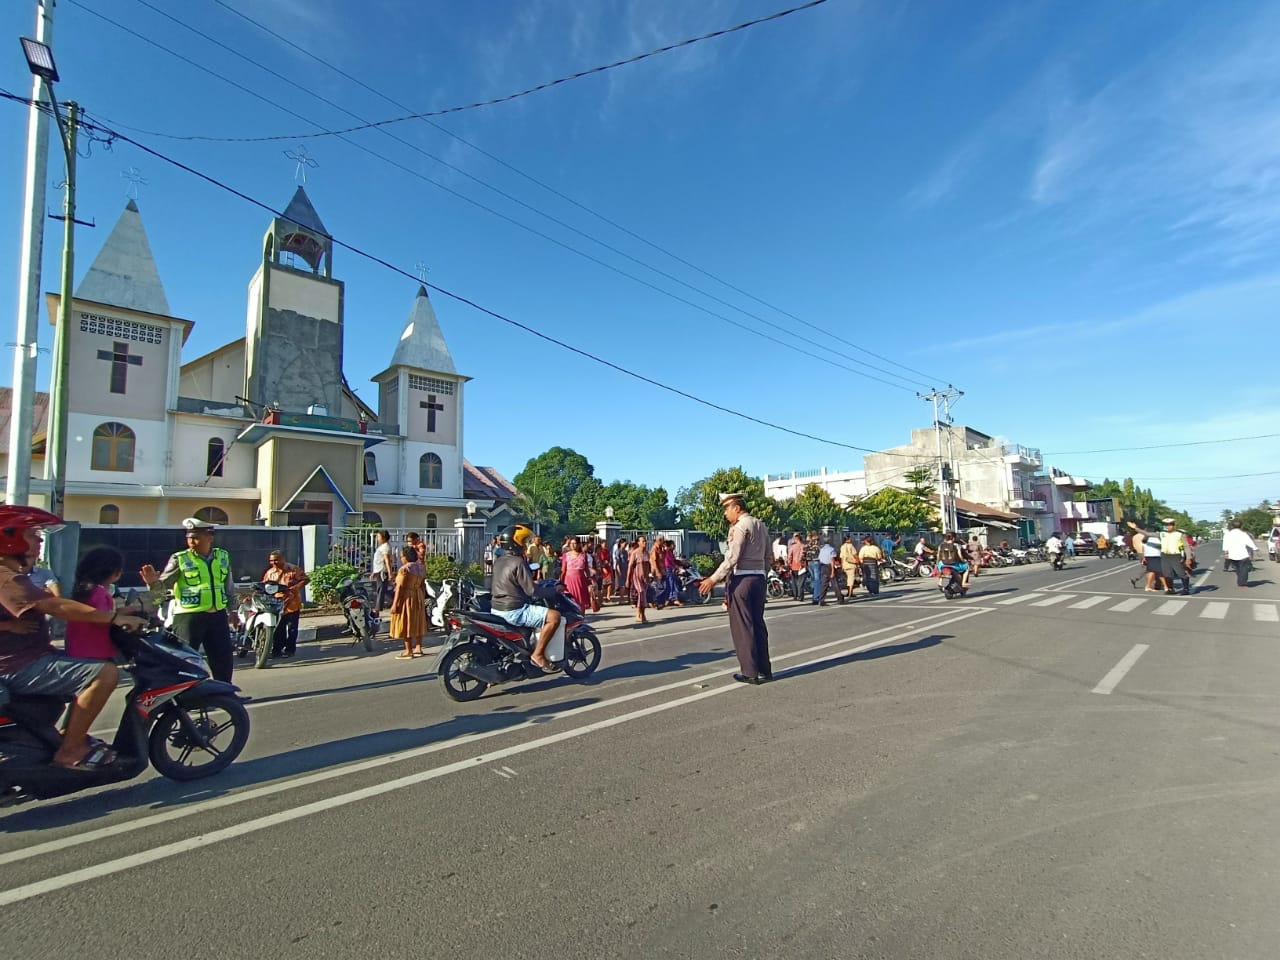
x,y
486,483
39,418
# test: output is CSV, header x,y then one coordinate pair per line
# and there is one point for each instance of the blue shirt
x,y
887,546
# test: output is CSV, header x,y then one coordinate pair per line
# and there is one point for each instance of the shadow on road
x,y
159,794
893,650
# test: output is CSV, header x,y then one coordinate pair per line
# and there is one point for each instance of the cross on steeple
x,y
121,361
422,270
135,179
299,154
431,407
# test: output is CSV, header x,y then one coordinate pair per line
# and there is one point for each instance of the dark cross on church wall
x,y
431,407
121,361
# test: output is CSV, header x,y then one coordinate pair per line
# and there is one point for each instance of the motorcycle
x,y
483,650
775,587
950,582
689,579
187,725
921,567
261,606
450,593
1058,561
363,621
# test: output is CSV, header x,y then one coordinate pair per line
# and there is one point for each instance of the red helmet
x,y
14,519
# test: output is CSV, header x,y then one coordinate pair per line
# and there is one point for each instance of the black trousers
x,y
210,631
871,577
285,639
746,597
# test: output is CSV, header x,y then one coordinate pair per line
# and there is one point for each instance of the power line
x,y
788,344
374,258
503,99
564,196
1162,446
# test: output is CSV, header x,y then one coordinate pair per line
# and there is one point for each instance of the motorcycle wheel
x,y
368,638
172,748
358,629
581,653
262,641
887,573
775,590
457,685
693,596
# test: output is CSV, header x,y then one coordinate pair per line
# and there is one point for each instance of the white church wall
x,y
291,291
191,454
150,449
451,470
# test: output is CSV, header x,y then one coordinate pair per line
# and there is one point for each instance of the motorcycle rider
x,y
29,664
1054,547
511,596
949,555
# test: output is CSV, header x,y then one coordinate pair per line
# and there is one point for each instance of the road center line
x,y
83,875
905,629
1108,683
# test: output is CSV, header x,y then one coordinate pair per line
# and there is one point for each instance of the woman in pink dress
x,y
95,573
638,567
575,573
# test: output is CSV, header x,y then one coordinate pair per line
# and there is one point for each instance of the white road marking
x,y
1108,683
1056,598
510,771
1203,577
1216,610
1087,602
1266,613
928,622
85,874
1169,608
502,773
1124,606
1087,578
1019,598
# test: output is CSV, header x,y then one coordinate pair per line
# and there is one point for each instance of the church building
x,y
264,429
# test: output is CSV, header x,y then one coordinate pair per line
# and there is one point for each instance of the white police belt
x,y
748,573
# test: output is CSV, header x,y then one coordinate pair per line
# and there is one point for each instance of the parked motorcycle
x,y
921,567
186,724
363,620
689,593
483,650
775,587
261,606
451,593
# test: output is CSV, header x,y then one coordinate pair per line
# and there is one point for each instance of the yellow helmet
x,y
521,535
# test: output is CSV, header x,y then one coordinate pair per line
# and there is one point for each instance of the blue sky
x,y
1068,210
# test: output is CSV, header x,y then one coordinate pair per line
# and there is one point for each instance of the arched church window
x,y
430,472
108,513
432,521
370,469
214,457
113,445
211,515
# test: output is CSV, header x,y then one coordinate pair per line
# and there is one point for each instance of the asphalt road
x,y
1055,766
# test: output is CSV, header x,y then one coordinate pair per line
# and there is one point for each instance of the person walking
x,y
795,561
200,577
638,566
1069,544
743,572
849,564
1239,548
409,605
576,574
1173,556
870,557
827,571
974,551
621,585
1149,543
813,564
284,643
381,570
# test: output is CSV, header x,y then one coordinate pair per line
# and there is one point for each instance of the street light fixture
x,y
471,509
41,63
608,512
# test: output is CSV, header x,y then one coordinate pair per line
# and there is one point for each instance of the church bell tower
x,y
293,338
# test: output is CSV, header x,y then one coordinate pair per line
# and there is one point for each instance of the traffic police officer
x,y
744,567
200,577
1173,556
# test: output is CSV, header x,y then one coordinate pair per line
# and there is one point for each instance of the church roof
x,y
124,273
422,345
301,212
485,483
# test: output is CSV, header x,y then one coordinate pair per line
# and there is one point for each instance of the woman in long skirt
x,y
409,606
576,574
638,577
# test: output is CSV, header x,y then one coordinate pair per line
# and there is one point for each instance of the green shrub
x,y
706,563
325,580
440,567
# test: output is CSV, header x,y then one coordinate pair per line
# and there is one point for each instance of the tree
x,y
813,507
920,482
699,507
895,510
551,479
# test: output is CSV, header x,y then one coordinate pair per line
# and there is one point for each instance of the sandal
x,y
98,756
404,656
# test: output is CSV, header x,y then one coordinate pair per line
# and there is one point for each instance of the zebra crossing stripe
x,y
1215,611
1087,602
1265,614
1169,608
1056,598
1020,598
1124,606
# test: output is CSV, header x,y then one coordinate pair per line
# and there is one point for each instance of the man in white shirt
x,y
827,573
1239,547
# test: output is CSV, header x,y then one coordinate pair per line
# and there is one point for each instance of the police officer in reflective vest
x,y
200,577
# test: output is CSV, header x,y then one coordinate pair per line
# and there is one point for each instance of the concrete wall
x,y
294,460
89,382
218,378
296,355
191,453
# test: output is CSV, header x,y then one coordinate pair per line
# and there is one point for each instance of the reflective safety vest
x,y
1172,542
201,585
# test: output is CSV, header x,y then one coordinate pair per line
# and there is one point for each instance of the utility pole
x,y
946,468
21,428
951,393
55,457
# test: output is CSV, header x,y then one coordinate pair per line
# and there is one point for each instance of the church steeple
x,y
124,273
422,345
300,233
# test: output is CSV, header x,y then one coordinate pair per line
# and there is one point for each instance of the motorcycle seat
x,y
491,618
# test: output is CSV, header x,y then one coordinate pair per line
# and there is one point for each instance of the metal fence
x,y
355,545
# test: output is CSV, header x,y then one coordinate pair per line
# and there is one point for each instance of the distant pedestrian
x,y
743,572
576,574
827,570
409,606
284,642
813,565
621,586
796,563
419,548
1069,544
974,551
850,564
382,570
870,557
638,565
1239,548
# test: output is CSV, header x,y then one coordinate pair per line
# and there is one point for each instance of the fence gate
x,y
355,545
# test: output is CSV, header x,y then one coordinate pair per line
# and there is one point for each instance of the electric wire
x,y
787,344
281,38
1164,446
667,48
